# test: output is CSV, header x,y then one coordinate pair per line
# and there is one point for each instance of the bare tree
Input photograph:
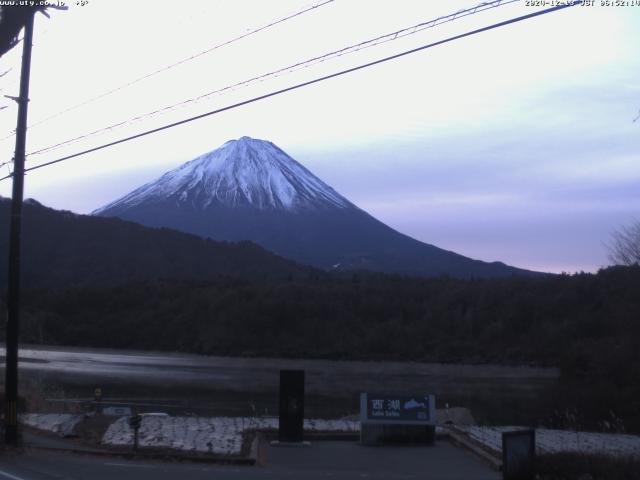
x,y
624,248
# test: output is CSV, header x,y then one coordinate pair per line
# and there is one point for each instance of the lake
x,y
185,382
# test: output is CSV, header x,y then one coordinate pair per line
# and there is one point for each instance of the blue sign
x,y
401,409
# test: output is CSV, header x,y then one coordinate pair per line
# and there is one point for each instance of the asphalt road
x,y
323,460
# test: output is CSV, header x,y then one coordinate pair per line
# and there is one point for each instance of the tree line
x,y
588,325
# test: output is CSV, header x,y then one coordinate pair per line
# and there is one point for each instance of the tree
x,y
624,248
12,19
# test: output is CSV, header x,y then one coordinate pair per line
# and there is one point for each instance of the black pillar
x,y
15,226
291,406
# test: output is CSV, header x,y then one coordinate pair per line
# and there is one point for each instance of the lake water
x,y
200,382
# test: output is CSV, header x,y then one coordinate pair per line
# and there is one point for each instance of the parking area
x,y
341,459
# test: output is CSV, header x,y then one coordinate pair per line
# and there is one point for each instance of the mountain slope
x,y
62,249
251,190
241,173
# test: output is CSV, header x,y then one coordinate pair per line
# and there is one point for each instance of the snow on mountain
x,y
243,172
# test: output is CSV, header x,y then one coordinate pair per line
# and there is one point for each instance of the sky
x,y
518,144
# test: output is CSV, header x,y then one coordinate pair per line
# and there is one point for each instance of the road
x,y
323,460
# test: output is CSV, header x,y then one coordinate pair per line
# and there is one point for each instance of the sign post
x,y
134,422
386,418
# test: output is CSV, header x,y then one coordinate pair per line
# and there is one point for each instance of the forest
x,y
588,325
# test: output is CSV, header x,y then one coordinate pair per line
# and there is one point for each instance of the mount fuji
x,y
250,189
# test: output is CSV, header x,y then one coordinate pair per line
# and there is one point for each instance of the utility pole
x,y
13,290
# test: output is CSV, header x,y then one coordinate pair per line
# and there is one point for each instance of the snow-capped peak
x,y
242,172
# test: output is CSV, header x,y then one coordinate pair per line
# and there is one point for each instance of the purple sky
x,y
517,145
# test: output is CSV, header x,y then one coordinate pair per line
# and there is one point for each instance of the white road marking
x,y
9,476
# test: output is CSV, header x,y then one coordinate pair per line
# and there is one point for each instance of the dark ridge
x,y
64,249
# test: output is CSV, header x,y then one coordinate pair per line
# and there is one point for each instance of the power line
x,y
389,37
307,83
8,167
2,74
179,62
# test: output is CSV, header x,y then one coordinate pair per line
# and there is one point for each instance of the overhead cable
x,y
307,83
